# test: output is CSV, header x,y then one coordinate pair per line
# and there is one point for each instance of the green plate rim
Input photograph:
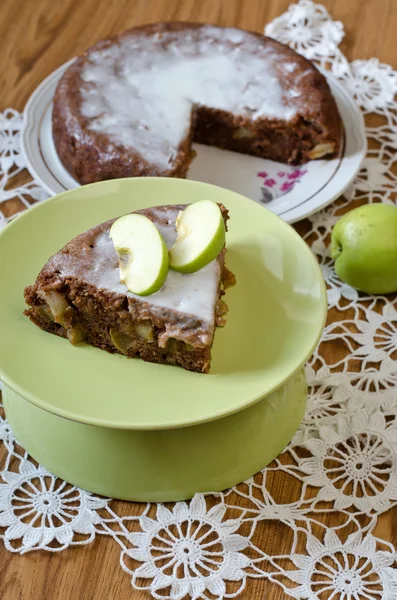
x,y
13,385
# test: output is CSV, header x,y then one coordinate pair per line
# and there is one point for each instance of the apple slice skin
x,y
208,252
123,233
364,248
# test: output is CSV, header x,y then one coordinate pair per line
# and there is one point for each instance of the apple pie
x,y
78,295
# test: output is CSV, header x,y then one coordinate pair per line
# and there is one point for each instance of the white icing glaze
x,y
167,230
141,90
194,294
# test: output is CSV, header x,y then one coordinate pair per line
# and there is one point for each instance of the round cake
x,y
132,104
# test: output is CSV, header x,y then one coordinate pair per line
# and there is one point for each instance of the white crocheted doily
x,y
339,471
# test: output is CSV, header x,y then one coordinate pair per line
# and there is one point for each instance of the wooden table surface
x,y
36,37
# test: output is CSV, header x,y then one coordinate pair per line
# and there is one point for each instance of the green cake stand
x,y
139,431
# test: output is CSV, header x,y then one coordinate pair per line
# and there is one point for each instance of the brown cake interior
x,y
64,302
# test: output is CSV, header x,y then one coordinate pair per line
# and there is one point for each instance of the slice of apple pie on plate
x,y
149,284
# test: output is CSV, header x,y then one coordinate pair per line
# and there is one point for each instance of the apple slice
x,y
142,252
200,236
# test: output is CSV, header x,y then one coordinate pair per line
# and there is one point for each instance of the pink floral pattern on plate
x,y
280,183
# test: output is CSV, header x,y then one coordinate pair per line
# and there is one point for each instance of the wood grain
x,y
35,38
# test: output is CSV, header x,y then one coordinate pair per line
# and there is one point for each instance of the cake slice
x,y
78,295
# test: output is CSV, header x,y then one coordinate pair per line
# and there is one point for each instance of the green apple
x,y
364,247
143,255
200,236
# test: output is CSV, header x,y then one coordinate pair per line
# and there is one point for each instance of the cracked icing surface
x,y
140,91
194,293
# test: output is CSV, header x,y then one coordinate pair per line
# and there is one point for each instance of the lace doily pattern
x,y
320,500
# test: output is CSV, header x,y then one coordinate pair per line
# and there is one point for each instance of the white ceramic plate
x,y
293,193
